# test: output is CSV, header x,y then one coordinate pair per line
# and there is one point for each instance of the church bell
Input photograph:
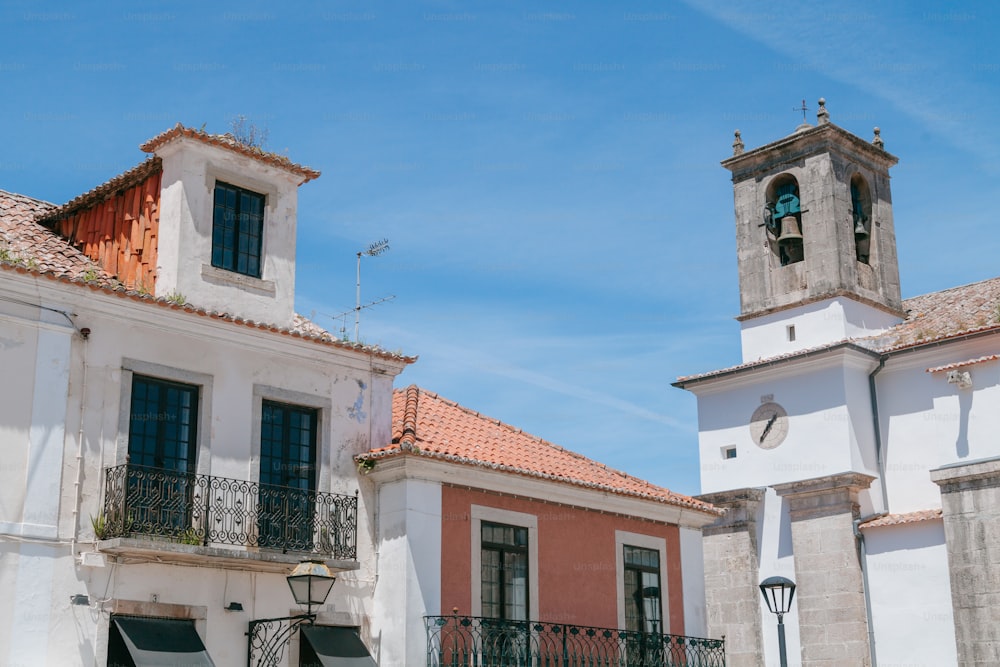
x,y
790,232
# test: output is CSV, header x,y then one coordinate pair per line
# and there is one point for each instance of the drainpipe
x,y
858,535
879,457
77,491
863,557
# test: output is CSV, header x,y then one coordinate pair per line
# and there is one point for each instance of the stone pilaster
x,y
970,503
833,626
731,575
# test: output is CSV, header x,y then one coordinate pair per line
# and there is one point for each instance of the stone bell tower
x,y
815,239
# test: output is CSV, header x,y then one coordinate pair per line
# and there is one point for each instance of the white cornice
x,y
413,466
83,301
845,355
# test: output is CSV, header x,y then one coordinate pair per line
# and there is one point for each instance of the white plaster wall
x,y
830,425
184,260
409,569
693,579
40,626
816,324
911,595
777,559
928,423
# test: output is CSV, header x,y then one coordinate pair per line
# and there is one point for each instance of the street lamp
x,y
310,583
778,593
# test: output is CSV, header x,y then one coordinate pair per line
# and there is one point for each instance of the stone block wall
x,y
833,625
970,503
732,599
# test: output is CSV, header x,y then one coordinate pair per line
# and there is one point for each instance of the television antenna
x,y
357,309
373,250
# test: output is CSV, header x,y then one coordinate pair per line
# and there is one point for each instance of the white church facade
x,y
856,445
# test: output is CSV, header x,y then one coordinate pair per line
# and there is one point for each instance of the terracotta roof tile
x,y
901,519
945,314
963,364
229,142
122,181
930,318
428,425
26,243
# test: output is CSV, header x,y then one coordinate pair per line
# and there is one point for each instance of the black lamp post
x,y
310,583
778,593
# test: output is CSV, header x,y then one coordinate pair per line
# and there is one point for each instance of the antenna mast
x,y
373,250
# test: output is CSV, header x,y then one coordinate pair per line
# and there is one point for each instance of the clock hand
x,y
767,427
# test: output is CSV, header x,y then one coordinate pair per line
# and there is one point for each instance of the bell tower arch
x,y
816,242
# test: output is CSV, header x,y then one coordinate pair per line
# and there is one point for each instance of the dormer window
x,y
237,229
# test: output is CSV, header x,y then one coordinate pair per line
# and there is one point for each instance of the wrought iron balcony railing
x,y
465,641
207,510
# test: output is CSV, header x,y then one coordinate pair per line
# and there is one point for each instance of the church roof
x,y
430,426
931,319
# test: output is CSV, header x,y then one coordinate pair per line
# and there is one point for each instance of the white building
x,y
856,445
175,438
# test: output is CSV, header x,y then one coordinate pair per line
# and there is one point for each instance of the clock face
x,y
769,425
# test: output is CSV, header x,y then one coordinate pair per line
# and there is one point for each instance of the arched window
x,y
861,216
783,217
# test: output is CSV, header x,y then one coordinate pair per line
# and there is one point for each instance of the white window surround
x,y
130,367
323,405
480,513
659,544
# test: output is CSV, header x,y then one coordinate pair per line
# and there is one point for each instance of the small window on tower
x,y
728,453
790,330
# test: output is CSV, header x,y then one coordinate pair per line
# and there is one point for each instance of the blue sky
x,y
562,236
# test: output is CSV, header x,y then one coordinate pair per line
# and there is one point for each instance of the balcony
x,y
183,517
464,641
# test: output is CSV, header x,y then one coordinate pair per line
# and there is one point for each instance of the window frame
x,y
655,543
159,438
641,569
504,549
240,228
204,381
481,513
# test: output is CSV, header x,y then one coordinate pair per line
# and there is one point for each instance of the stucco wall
x,y
235,366
577,560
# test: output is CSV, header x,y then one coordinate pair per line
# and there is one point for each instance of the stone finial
x,y
737,143
822,115
877,141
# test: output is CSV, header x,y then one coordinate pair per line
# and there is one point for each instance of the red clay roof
x,y
425,424
901,519
930,319
26,243
229,142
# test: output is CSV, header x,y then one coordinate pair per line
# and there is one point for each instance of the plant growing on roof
x,y
176,298
366,466
246,132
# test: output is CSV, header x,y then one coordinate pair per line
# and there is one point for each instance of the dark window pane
x,y
237,228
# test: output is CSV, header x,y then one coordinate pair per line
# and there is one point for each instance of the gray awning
x,y
328,646
158,642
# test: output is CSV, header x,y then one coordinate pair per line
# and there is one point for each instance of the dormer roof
x,y
230,143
